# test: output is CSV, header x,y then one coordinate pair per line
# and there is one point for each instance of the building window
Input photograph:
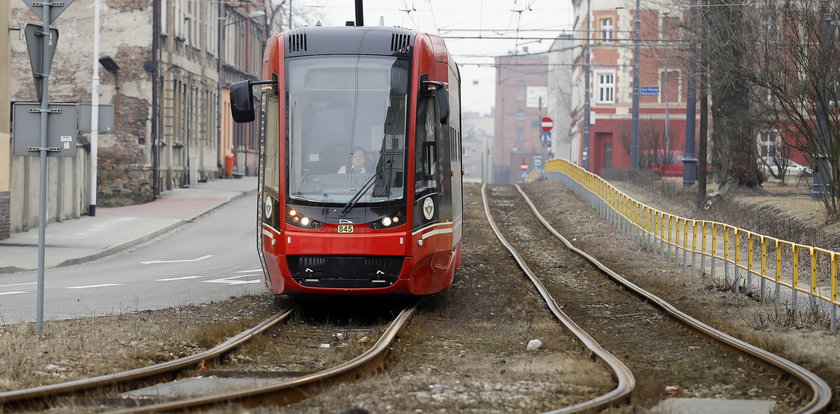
x,y
520,93
520,115
606,87
606,29
520,134
770,143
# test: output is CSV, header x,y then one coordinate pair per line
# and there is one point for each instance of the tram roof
x,y
349,40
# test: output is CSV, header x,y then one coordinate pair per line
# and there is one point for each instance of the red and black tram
x,y
360,175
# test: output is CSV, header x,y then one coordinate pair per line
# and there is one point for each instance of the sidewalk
x,y
116,229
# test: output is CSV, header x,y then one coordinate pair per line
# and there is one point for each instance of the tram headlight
x,y
297,219
390,220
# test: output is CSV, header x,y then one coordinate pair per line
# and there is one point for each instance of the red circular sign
x,y
524,166
547,124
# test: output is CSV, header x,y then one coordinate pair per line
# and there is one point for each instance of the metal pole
x,y
360,13
821,166
94,112
46,39
634,129
290,15
586,94
689,159
667,155
219,39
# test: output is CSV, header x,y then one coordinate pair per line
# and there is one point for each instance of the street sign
x,y
523,167
547,124
33,34
62,126
106,117
545,139
56,7
538,162
649,91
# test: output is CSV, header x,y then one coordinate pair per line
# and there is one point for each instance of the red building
x,y
662,80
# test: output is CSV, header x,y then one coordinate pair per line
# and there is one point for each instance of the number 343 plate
x,y
345,228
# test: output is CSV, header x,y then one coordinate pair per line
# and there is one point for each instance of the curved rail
x,y
138,374
820,389
289,391
626,380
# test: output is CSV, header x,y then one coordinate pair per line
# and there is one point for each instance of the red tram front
x,y
360,177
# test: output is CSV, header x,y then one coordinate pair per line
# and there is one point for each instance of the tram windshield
x,y
347,120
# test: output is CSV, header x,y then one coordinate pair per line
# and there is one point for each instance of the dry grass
x,y
87,347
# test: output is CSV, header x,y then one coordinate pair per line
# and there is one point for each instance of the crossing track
x,y
624,378
817,389
281,392
285,392
122,380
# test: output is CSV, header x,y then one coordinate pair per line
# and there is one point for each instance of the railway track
x,y
290,388
36,396
627,317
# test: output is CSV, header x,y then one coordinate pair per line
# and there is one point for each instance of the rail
x,y
140,374
819,389
625,381
801,269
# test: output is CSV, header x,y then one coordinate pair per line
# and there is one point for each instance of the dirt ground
x,y
465,350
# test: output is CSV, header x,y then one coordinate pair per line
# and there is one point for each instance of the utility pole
x,y
219,44
666,158
820,187
586,94
94,112
634,129
689,161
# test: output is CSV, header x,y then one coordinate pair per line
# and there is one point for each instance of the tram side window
x,y
425,153
271,137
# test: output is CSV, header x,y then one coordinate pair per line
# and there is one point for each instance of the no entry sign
x,y
547,124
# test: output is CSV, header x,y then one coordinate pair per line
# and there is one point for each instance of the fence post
x,y
763,266
813,297
795,283
735,287
714,248
703,250
726,255
833,293
750,263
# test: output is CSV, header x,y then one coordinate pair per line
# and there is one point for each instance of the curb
x,y
108,251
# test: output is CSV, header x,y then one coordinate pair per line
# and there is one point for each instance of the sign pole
x,y
46,39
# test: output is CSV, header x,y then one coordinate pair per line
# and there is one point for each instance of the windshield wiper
x,y
365,187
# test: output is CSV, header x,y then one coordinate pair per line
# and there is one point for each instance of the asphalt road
x,y
213,258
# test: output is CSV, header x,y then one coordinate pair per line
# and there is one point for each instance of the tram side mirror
x,y
442,96
443,103
242,102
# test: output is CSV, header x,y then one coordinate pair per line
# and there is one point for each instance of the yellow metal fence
x,y
748,260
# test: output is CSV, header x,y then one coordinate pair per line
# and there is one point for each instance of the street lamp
x,y
689,159
586,94
634,129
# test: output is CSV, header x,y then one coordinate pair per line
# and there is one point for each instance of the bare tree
x,y
729,41
793,73
277,15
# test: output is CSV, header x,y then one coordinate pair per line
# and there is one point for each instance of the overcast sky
x,y
494,17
